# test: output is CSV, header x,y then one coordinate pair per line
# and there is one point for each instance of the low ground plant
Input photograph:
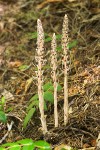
x,y
33,106
3,117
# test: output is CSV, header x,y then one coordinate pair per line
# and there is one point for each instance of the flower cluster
x,y
40,62
65,40
54,75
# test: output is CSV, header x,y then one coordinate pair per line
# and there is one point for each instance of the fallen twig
x,y
9,126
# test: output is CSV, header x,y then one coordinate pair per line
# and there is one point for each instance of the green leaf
x,y
47,86
1,107
48,96
72,44
45,106
34,103
58,37
34,35
9,109
28,117
42,145
35,97
12,146
48,39
1,148
23,67
51,88
15,146
3,100
3,117
46,34
59,88
46,67
59,48
27,144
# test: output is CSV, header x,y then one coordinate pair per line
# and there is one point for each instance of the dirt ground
x,y
18,23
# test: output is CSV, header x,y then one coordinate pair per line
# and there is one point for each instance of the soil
x,y
18,23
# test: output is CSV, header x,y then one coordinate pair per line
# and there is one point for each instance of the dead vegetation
x,y
17,48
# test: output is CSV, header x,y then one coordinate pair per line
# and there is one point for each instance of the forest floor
x,y
18,27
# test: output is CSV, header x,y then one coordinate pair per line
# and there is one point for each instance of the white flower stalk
x,y
65,40
40,62
54,76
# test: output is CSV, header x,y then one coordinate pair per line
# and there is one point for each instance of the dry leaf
x,y
75,89
97,101
93,142
98,142
86,145
63,146
1,25
1,62
28,84
16,64
18,91
71,0
90,148
70,111
2,10
7,95
46,2
2,49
